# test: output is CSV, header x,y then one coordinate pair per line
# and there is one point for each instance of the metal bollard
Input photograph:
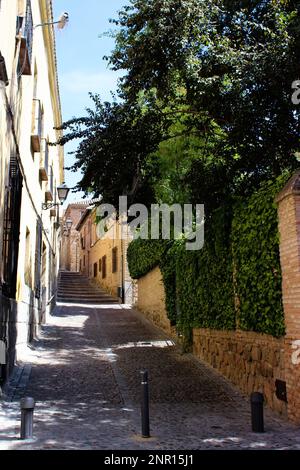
x,y
27,407
257,412
145,405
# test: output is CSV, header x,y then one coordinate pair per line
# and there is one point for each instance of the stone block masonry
x,y
250,360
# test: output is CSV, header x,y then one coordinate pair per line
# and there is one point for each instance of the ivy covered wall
x,y
235,280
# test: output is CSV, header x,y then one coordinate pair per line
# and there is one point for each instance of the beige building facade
x,y
30,172
104,260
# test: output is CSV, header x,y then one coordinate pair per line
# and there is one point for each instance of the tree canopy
x,y
205,101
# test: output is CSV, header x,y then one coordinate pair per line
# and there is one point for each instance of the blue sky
x,y
81,68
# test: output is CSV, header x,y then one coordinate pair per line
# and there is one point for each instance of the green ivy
x,y
167,266
144,255
204,278
240,258
255,242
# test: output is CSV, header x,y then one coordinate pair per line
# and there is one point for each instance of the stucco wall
x,y
17,105
151,299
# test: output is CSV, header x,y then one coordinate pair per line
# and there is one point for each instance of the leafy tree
x,y
235,59
209,80
115,140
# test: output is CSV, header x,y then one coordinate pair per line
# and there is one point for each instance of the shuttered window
x,y
38,260
104,267
11,229
114,259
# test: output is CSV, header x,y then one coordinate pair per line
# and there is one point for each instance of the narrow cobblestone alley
x,y
85,378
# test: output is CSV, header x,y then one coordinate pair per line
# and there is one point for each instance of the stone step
x,y
75,288
67,294
87,301
81,288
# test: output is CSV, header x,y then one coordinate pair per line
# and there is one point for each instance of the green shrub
x,y
144,255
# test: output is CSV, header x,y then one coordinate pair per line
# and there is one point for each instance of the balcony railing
x,y
25,34
44,160
36,133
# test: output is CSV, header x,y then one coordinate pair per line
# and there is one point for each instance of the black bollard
x,y
257,412
27,407
145,405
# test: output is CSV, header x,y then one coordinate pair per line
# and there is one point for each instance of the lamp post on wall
x,y
62,192
67,227
67,243
61,22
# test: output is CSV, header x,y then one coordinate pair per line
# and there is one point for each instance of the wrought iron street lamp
x,y
62,192
67,227
69,224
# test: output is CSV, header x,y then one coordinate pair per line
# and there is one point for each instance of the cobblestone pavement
x,y
85,378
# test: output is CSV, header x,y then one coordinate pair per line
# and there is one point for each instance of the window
x,y
90,233
94,234
11,229
44,160
100,265
51,181
95,269
27,266
103,267
114,260
84,260
38,260
82,241
25,36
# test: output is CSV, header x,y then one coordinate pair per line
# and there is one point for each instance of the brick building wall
x,y
289,227
70,241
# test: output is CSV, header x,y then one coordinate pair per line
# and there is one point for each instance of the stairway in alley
x,y
76,288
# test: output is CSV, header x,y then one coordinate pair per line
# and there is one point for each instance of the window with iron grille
x,y
103,267
114,259
38,260
11,229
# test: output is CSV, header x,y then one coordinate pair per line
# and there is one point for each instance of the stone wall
x,y
250,360
255,362
151,299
